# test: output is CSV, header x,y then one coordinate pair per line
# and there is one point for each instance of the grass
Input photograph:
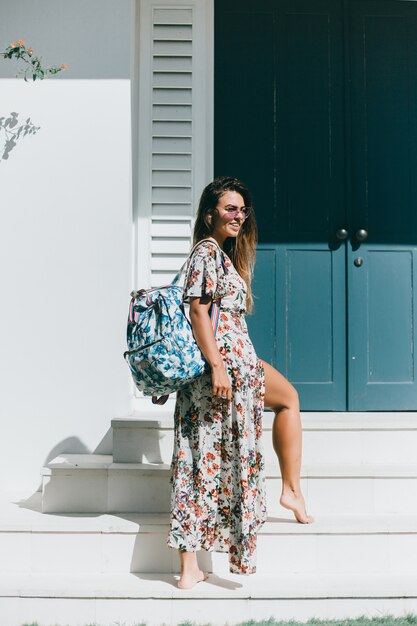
x,y
385,620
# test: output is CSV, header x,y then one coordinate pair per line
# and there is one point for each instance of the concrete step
x,y
327,437
83,483
36,543
131,599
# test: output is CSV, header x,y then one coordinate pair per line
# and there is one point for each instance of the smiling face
x,y
224,223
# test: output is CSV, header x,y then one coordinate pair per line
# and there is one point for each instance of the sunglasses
x,y
232,211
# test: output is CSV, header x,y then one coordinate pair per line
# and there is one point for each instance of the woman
x,y
218,483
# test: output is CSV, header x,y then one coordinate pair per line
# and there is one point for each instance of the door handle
x,y
361,234
342,234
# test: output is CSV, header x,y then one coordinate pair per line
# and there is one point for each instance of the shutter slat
x,y
171,129
172,31
172,16
171,209
163,95
172,47
174,194
158,279
167,263
166,63
169,229
172,112
166,246
171,161
172,79
167,177
170,145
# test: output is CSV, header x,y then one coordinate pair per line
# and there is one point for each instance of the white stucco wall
x,y
65,236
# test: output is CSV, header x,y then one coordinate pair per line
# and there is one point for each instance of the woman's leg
x,y
191,574
282,398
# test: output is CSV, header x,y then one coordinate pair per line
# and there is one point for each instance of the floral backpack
x,y
162,354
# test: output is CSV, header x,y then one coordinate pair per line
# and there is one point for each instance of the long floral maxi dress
x,y
218,497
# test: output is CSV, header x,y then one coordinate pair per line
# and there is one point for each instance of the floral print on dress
x,y
218,499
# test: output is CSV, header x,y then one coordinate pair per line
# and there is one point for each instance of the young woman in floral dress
x,y
218,497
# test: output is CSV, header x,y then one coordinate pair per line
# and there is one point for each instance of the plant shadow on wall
x,y
10,130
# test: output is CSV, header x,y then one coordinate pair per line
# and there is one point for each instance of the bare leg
x,y
191,574
282,398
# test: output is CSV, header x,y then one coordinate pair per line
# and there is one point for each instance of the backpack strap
x,y
186,262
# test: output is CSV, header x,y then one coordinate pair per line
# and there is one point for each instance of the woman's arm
x,y
204,336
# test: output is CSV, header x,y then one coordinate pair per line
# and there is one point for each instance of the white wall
x,y
65,237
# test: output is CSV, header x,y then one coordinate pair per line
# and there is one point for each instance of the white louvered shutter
x,y
172,107
175,136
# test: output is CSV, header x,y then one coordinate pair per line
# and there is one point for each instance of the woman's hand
x,y
222,387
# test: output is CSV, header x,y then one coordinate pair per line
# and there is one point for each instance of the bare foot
x,y
191,578
295,502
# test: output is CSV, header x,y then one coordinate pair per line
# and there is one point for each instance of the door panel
x,y
295,332
245,100
311,323
279,111
382,312
383,346
383,52
310,113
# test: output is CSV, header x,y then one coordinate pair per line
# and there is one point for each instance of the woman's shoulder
x,y
207,247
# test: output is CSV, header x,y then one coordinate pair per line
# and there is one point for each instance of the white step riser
x,y
147,552
117,491
154,611
153,445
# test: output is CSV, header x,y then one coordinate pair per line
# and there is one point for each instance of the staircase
x,y
92,546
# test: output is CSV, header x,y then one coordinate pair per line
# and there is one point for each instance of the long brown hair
x,y
240,249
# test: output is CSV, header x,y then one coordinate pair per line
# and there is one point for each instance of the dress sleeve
x,y
203,271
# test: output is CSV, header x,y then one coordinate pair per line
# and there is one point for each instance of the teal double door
x,y
316,110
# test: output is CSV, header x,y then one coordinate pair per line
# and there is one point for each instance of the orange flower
x,y
64,66
13,45
21,42
30,51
